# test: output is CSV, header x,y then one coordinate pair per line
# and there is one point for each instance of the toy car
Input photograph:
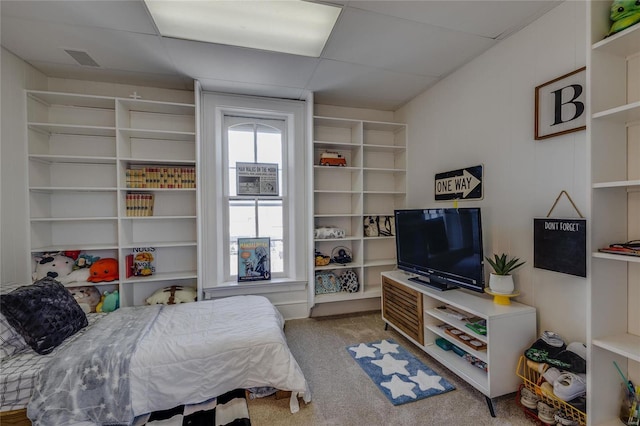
x,y
331,158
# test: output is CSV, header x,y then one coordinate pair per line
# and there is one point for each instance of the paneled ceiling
x,y
380,54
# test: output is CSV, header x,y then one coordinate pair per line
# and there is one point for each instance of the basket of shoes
x,y
549,385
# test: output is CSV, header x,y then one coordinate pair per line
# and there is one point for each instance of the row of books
x,y
161,177
139,204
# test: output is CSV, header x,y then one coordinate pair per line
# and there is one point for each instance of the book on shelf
x,y
144,261
161,177
139,204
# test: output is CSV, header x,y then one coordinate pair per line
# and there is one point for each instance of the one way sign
x,y
463,184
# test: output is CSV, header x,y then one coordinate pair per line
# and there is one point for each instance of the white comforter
x,y
199,350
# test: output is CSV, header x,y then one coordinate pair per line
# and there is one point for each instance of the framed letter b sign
x,y
560,105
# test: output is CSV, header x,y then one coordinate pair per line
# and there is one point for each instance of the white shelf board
x,y
156,161
332,266
384,192
161,276
470,374
384,148
337,240
157,217
83,247
159,244
379,238
84,283
335,122
337,168
333,191
173,108
158,189
335,145
70,99
620,257
622,114
71,129
623,44
618,184
627,345
384,170
336,215
80,159
478,354
158,134
72,219
383,126
379,262
52,189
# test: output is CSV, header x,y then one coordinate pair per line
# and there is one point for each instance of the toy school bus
x,y
331,158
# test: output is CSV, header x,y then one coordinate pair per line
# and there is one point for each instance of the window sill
x,y
276,285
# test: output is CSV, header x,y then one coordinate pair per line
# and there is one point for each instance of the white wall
x,y
16,75
484,114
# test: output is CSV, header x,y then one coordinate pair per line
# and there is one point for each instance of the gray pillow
x,y
44,313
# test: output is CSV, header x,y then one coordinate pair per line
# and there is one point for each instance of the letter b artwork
x,y
560,105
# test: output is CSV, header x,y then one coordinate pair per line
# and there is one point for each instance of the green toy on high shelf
x,y
624,13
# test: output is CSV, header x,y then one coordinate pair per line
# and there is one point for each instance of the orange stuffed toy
x,y
103,270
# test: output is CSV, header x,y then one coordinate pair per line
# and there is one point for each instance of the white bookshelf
x,y
372,184
79,149
613,134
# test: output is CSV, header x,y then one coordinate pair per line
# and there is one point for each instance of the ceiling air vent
x,y
82,58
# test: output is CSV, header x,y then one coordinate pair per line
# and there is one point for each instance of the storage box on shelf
x,y
532,380
613,135
416,312
372,183
81,148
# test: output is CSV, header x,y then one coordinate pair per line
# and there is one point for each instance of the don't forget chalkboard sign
x,y
560,245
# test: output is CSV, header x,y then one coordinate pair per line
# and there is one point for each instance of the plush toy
x,y
173,295
87,297
79,276
52,265
101,302
103,270
624,13
85,261
111,301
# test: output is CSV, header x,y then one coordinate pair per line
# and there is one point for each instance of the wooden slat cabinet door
x,y
402,306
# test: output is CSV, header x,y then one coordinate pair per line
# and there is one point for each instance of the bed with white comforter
x,y
158,357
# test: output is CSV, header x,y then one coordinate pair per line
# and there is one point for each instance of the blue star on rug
x,y
398,374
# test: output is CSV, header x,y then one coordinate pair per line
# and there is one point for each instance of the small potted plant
x,y
500,280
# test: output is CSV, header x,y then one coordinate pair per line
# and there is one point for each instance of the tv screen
x,y
442,246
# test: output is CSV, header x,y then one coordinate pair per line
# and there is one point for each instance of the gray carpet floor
x,y
343,394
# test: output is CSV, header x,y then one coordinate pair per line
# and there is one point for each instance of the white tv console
x,y
411,309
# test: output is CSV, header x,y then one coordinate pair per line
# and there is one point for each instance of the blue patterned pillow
x,y
44,313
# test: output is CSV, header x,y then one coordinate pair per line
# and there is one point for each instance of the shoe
x,y
546,413
570,386
562,419
528,398
547,390
573,358
547,346
551,375
579,404
540,367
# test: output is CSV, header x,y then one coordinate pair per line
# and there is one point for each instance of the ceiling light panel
x,y
289,26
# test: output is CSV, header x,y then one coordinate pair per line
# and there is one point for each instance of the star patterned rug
x,y
397,373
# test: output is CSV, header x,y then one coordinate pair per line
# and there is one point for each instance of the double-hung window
x,y
240,129
255,140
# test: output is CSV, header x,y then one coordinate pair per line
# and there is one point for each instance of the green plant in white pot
x,y
500,280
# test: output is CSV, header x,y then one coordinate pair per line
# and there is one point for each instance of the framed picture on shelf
x,y
560,105
254,260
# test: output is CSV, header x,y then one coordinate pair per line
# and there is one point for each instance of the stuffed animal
x,y
104,270
52,265
173,295
101,303
624,13
111,301
87,297
79,275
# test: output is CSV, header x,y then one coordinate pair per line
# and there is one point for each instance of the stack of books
x,y
161,177
139,204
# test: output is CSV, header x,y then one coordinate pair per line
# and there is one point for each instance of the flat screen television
x,y
443,247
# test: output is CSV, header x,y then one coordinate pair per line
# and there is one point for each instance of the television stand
x,y
412,310
436,285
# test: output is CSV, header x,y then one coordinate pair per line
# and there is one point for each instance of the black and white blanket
x,y
229,409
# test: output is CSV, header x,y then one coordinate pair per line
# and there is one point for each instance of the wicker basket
x,y
532,380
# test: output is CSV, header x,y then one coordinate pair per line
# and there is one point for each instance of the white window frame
x,y
214,245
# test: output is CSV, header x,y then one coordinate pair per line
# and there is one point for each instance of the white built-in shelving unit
x,y
373,183
79,150
613,134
